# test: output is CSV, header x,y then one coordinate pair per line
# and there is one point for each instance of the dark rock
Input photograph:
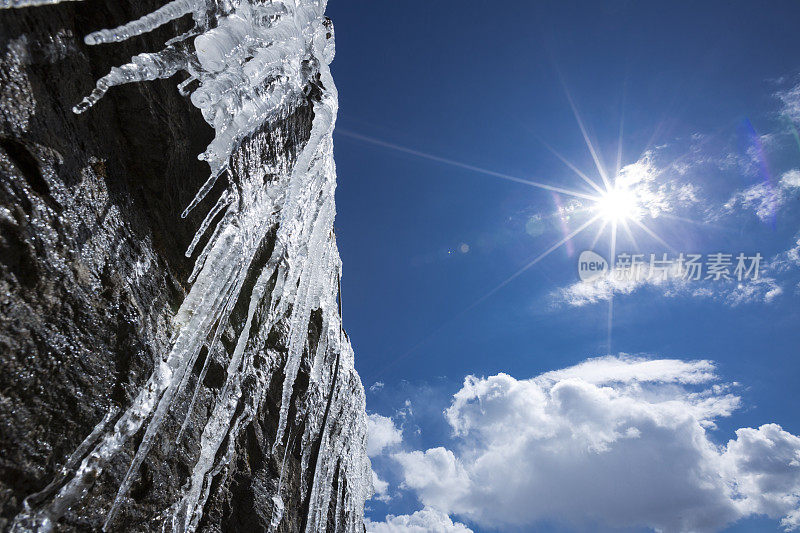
x,y
92,269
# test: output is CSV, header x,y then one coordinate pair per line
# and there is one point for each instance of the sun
x,y
617,204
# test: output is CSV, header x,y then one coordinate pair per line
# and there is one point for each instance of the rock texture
x,y
92,271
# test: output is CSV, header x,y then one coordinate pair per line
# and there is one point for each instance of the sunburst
x,y
611,204
618,204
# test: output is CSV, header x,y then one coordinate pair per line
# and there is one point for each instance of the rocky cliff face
x,y
94,284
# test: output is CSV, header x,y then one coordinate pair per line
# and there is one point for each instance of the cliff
x,y
141,388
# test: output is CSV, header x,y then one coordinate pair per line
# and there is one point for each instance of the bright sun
x,y
617,205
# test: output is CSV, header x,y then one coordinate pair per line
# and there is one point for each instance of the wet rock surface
x,y
92,269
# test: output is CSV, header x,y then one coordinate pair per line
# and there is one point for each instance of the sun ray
x,y
534,261
612,256
598,235
572,167
612,247
619,142
630,234
464,166
615,203
595,155
701,223
483,298
610,321
653,234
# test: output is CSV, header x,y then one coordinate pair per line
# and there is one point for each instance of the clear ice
x,y
253,62
30,3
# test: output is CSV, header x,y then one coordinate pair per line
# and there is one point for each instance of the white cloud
x,y
790,98
626,369
380,488
760,290
654,193
604,288
407,410
377,386
425,521
766,465
764,199
672,283
788,260
381,434
791,179
436,474
761,198
614,441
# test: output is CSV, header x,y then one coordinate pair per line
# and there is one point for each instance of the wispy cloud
x,y
764,199
671,283
788,260
655,190
665,186
790,98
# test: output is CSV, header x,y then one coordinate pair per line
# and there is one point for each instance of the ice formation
x,y
30,3
254,62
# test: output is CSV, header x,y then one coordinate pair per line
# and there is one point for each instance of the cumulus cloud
x,y
436,474
381,434
766,465
615,441
425,521
380,488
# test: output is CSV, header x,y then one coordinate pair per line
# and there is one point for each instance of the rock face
x,y
92,273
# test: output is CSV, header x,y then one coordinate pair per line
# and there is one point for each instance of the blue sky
x,y
705,96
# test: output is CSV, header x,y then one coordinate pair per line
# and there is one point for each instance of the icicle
x,y
277,513
143,67
215,48
228,278
211,346
7,4
213,434
173,10
254,63
185,83
223,202
301,313
204,190
28,520
201,259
